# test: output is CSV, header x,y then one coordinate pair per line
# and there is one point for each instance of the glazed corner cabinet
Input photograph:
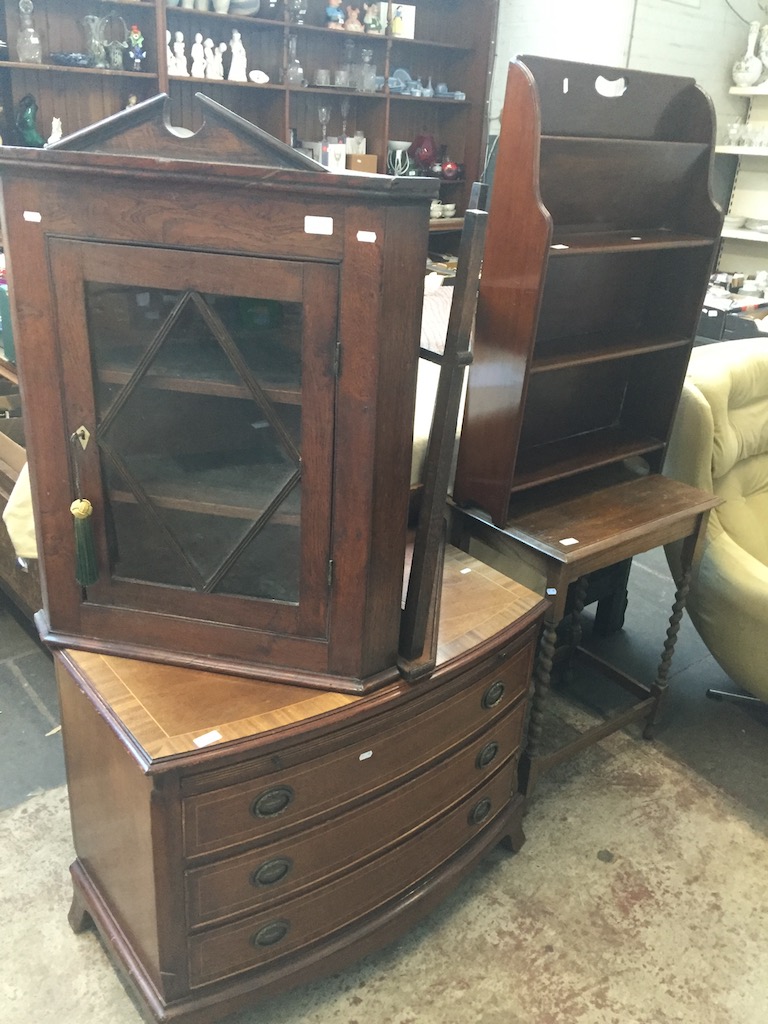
x,y
453,44
217,348
601,238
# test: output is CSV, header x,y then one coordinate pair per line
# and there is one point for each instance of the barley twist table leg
x,y
541,680
574,631
659,686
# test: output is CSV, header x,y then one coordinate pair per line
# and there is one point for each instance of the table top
x,y
573,528
169,710
586,528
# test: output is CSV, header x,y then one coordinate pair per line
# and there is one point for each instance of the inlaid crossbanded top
x,y
170,710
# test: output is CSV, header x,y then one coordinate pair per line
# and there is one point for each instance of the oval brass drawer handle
x,y
271,933
486,754
274,801
480,811
271,871
493,695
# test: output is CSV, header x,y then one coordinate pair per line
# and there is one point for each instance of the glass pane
x,y
199,426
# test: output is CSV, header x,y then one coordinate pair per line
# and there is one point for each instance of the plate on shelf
x,y
732,221
756,224
402,76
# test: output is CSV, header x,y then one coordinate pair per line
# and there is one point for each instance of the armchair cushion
x,y
719,443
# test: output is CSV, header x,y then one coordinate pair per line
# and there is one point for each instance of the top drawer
x,y
367,759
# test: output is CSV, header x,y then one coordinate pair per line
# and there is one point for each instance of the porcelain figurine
x,y
197,53
180,56
208,56
334,16
352,21
170,57
56,131
136,54
372,20
238,66
215,69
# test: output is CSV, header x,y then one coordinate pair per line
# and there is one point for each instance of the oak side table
x,y
562,535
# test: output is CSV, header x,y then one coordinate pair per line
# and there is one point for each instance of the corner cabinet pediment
x,y
220,355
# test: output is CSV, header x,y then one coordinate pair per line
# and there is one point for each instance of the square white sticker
x,y
318,225
207,738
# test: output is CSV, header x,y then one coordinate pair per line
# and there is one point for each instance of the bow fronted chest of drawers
x,y
236,837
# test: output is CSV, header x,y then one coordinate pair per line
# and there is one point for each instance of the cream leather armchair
x,y
720,443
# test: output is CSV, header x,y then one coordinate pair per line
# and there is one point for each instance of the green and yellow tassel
x,y
86,566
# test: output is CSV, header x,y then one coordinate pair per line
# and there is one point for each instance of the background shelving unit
x,y
742,249
454,44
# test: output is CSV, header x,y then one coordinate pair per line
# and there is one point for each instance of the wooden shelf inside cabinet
x,y
442,224
583,349
576,243
399,97
232,499
232,20
284,394
206,84
568,457
62,69
591,291
428,44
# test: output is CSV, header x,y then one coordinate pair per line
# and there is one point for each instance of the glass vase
x,y
28,46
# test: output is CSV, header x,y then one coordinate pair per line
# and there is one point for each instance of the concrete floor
x,y
640,897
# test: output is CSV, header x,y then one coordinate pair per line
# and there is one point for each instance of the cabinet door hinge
x,y
330,572
337,360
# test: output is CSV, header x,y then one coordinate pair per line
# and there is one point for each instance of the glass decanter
x,y
324,116
297,11
367,72
28,45
294,72
344,118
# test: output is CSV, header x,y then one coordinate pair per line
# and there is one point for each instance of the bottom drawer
x,y
262,938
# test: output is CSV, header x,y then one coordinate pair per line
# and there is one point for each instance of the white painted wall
x,y
698,38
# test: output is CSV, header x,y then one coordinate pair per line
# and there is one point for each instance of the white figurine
x,y
197,54
56,132
170,55
209,57
180,56
238,66
216,67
